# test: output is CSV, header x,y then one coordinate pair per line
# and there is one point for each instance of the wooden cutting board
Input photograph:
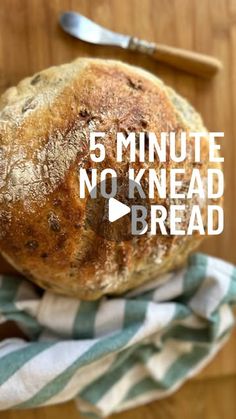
x,y
30,40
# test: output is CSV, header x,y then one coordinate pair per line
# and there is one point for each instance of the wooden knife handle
x,y
191,62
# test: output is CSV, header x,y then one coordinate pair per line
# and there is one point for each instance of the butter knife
x,y
192,62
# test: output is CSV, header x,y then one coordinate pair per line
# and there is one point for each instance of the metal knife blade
x,y
86,30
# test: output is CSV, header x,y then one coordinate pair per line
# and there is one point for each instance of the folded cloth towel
x,y
118,352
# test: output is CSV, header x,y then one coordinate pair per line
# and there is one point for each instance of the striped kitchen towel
x,y
118,352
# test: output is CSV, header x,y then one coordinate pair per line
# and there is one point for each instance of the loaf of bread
x,y
45,123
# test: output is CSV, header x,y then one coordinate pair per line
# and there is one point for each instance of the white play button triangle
x,y
116,209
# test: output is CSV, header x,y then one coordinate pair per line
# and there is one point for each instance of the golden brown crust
x,y
44,129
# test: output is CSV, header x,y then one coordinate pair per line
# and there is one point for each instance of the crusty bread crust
x,y
44,129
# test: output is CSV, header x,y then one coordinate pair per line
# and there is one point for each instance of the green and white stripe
x,y
119,352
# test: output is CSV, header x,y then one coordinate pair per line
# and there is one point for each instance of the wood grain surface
x,y
30,40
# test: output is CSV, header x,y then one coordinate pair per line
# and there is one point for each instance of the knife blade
x,y
88,31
